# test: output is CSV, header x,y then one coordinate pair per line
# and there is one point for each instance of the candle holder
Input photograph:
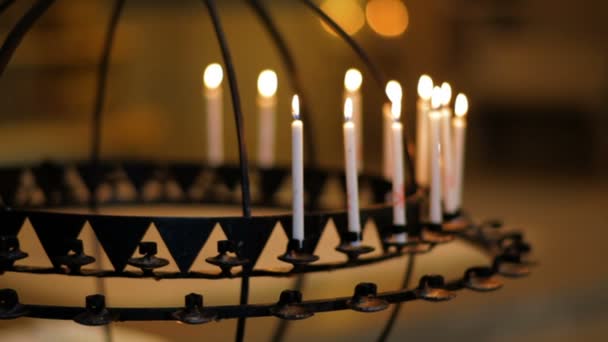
x,y
351,246
247,235
296,254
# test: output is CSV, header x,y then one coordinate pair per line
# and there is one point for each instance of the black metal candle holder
x,y
247,235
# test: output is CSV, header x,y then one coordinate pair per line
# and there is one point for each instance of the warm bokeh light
x,y
446,93
353,79
213,75
348,109
295,107
436,97
267,83
394,91
346,13
425,87
396,110
461,105
388,18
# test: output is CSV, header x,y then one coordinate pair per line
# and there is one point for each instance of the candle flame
x,y
461,105
425,87
446,93
394,91
213,75
348,109
436,97
295,107
267,83
353,80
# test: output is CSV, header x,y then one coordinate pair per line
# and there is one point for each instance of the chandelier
x,y
417,202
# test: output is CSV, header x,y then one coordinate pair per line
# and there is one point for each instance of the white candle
x,y
425,90
297,170
446,149
395,93
435,213
459,129
387,150
350,164
212,78
352,89
267,88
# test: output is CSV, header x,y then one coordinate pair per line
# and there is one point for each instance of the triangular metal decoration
x,y
10,179
313,184
383,220
50,178
93,175
314,225
56,231
139,173
119,236
253,233
271,180
230,176
341,222
10,222
185,174
380,188
184,237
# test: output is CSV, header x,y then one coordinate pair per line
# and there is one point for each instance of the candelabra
x,y
247,235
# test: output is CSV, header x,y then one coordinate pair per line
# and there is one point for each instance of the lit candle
x,y
395,93
350,164
425,90
297,170
387,155
446,149
267,88
459,129
435,212
352,89
212,78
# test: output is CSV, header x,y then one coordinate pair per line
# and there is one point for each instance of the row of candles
x,y
440,139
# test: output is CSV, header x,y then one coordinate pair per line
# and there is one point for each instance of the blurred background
x,y
535,71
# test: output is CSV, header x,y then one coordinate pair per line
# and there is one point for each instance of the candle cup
x,y
296,255
351,246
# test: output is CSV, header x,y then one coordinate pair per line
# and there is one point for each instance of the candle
x,y
352,89
446,149
435,213
387,155
394,92
212,78
459,129
297,171
425,90
350,164
267,88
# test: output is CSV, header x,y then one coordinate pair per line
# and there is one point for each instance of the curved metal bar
x,y
236,105
386,331
240,311
238,117
278,273
292,72
376,74
19,31
100,92
5,4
